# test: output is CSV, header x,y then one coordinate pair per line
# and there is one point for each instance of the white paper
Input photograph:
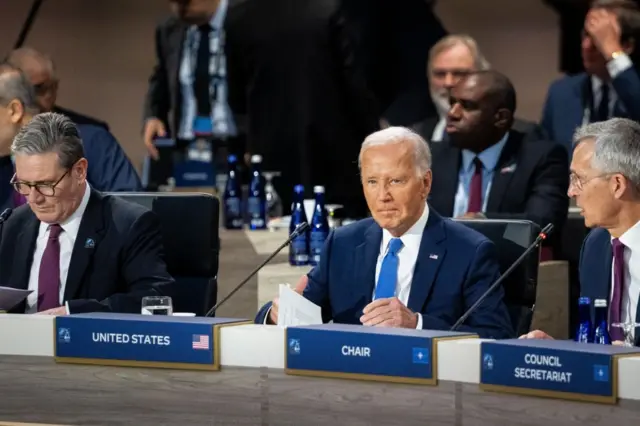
x,y
10,297
294,309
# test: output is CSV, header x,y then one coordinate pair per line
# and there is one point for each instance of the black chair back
x,y
512,238
189,226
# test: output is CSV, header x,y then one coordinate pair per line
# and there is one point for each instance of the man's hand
x,y
603,28
152,128
59,311
536,334
470,215
299,288
388,313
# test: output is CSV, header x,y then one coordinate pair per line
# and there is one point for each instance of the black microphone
x,y
5,215
541,237
296,232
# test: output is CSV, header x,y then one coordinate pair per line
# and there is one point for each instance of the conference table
x,y
252,388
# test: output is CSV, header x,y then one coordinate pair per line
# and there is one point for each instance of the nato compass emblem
x,y
487,362
64,335
294,346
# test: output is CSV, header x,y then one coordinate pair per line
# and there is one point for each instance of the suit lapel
x,y
504,171
446,168
24,252
87,242
365,264
429,260
602,274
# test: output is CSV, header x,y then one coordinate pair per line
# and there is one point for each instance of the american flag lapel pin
x,y
433,256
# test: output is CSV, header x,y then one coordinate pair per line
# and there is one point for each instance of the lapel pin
x,y
433,256
508,169
89,243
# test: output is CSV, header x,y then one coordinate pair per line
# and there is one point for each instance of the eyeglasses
x,y
578,183
44,188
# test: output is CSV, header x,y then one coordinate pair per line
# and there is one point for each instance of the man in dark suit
x,y
489,171
610,85
109,170
450,59
304,113
605,182
40,70
70,244
406,266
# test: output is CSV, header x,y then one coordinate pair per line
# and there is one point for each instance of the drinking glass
x,y
274,202
157,305
628,329
331,209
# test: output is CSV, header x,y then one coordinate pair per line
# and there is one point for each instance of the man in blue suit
x,y
604,181
610,86
406,266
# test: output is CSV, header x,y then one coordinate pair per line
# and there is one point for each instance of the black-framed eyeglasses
x,y
47,189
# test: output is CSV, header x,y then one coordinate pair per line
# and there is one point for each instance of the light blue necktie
x,y
389,271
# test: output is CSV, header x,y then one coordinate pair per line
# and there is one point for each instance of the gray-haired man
x,y
71,243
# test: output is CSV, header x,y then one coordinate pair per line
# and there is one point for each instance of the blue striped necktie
x,y
389,271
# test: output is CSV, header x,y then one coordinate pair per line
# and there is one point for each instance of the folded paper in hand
x,y
10,297
294,309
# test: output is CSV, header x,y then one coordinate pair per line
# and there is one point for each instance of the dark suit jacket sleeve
x,y
627,85
109,167
142,269
317,289
548,201
158,100
490,319
547,115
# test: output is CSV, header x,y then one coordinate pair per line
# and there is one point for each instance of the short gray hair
x,y
479,60
14,85
392,135
50,132
617,147
26,57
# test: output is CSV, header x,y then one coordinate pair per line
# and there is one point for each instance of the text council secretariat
x,y
541,374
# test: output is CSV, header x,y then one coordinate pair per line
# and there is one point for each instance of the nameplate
x,y
553,368
365,353
140,340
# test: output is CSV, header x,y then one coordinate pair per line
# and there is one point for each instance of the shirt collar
x,y
217,19
631,238
72,225
489,157
596,84
412,236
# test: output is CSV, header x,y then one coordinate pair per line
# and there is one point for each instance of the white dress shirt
x,y
70,228
407,257
438,131
615,66
631,284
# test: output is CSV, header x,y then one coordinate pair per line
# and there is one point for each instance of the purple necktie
x,y
615,308
475,189
49,276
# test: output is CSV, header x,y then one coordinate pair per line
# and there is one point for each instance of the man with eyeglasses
x,y
110,168
605,181
77,249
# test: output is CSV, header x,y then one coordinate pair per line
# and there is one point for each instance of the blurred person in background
x,y
109,169
610,85
450,59
288,83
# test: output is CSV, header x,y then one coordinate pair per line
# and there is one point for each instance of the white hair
x,y
617,147
394,135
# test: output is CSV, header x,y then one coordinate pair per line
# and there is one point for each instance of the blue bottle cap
x,y
298,189
232,158
584,300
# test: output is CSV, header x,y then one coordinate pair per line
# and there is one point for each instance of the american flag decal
x,y
200,341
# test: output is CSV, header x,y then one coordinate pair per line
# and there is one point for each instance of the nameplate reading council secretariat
x,y
553,368
365,353
140,340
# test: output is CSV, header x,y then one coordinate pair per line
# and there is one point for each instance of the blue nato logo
x,y
601,373
294,346
487,362
420,356
64,335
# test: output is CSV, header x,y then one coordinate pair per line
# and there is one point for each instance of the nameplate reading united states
x,y
365,353
553,368
140,340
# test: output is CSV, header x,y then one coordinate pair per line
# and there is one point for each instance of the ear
x,y
427,179
503,119
16,111
79,170
619,186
